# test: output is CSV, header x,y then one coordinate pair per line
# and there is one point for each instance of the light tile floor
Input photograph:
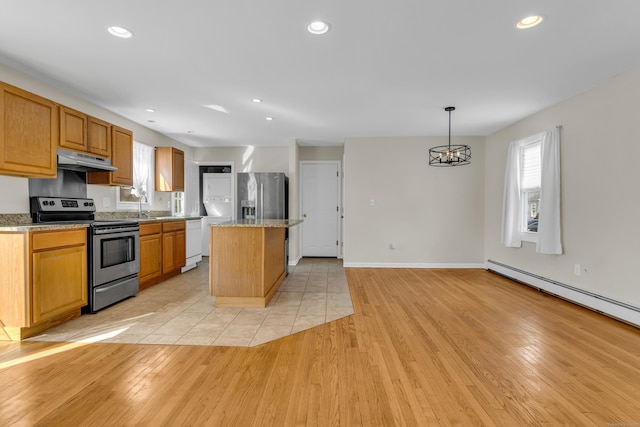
x,y
180,311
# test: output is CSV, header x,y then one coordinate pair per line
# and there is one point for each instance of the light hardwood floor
x,y
425,348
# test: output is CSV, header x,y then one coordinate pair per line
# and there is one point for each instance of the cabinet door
x,y
99,137
150,257
28,134
169,169
121,157
180,249
168,252
178,170
73,129
59,273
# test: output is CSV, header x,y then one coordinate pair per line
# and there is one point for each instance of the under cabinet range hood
x,y
83,162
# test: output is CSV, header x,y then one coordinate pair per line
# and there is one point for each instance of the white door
x,y
320,197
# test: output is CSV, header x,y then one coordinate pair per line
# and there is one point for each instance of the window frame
x,y
525,234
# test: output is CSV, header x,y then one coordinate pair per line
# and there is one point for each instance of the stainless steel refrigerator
x,y
263,195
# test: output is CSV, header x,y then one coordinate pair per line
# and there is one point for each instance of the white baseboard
x,y
607,306
410,265
294,262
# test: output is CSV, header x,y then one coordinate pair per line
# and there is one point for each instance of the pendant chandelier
x,y
450,155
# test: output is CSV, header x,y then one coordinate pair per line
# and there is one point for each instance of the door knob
x,y
305,215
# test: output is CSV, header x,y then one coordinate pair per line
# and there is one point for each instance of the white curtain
x,y
142,163
549,215
511,203
548,235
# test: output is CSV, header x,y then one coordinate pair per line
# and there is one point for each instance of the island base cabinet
x,y
246,265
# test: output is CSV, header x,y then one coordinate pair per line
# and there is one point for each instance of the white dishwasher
x,y
193,236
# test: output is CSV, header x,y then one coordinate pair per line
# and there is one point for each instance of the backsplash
x,y
15,219
103,216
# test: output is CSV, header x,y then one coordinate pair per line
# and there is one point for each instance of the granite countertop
x,y
168,218
263,223
41,227
22,222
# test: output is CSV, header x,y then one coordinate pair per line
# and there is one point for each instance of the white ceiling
x,y
385,68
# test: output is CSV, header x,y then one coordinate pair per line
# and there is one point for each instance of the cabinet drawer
x,y
153,228
55,239
173,226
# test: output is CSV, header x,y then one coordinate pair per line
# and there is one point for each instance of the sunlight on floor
x,y
180,311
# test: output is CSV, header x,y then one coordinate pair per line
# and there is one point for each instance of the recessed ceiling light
x,y
150,110
529,22
191,131
120,32
269,119
317,27
257,100
151,121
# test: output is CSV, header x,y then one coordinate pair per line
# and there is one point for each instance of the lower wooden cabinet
x,y
162,251
150,252
173,246
44,280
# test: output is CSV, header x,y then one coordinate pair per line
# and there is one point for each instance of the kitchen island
x,y
247,261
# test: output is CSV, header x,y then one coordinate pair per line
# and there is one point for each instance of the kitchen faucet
x,y
141,213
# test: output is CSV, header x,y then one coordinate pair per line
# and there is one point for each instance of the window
x,y
143,180
530,179
531,205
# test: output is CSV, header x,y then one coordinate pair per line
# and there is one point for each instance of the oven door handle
x,y
106,288
115,230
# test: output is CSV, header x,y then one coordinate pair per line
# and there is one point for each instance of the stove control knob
x,y
86,203
45,203
52,202
90,203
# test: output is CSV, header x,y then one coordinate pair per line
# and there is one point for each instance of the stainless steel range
x,y
113,247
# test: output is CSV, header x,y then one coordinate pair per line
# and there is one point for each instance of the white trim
x,y
411,265
338,163
598,303
294,262
234,179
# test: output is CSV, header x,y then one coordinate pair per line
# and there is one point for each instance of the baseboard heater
x,y
609,307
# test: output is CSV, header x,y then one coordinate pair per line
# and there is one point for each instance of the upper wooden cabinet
x,y
169,169
28,134
73,129
99,137
121,157
80,132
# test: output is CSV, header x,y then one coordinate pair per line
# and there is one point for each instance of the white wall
x,y
248,159
15,191
321,153
295,252
600,148
433,215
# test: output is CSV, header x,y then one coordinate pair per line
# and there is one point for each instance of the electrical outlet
x,y
106,202
577,270
372,202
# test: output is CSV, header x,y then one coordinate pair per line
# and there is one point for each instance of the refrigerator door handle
x,y
261,201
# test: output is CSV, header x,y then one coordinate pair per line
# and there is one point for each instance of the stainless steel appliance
x,y
82,162
113,248
265,195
